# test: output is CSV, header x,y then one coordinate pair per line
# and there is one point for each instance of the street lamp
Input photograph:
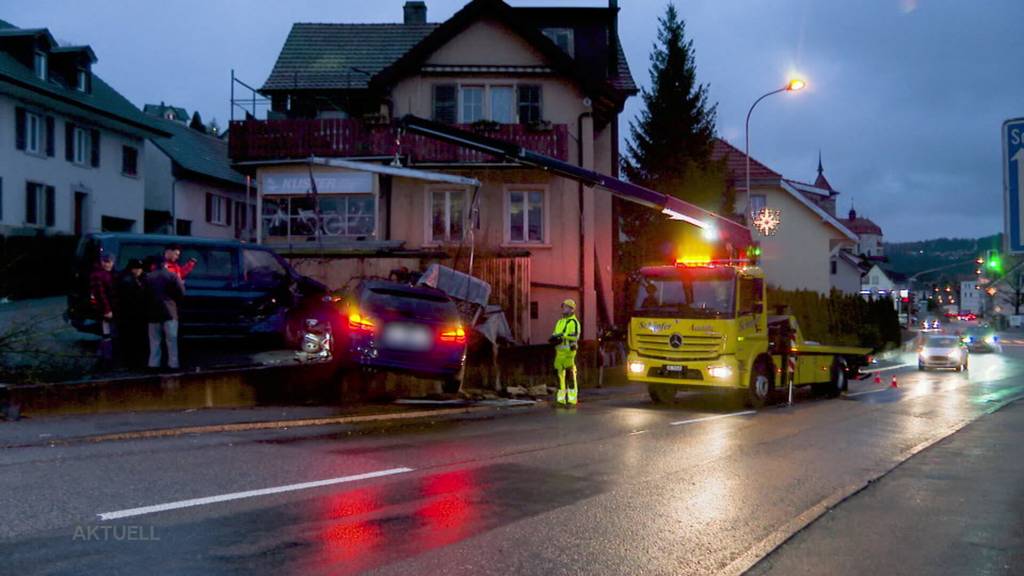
x,y
794,85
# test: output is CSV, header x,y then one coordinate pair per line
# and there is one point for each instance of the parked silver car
x,y
942,351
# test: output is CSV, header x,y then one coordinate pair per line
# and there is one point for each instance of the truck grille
x,y
694,347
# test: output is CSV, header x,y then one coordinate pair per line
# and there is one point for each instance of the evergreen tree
x,y
197,122
669,150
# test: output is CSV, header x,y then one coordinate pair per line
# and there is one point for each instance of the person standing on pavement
x,y
131,314
171,255
101,293
565,338
164,290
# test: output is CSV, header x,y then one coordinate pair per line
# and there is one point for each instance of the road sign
x,y
1013,184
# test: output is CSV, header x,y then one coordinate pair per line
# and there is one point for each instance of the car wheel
x,y
453,384
662,393
761,387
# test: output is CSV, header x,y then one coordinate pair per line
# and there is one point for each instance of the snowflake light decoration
x,y
767,221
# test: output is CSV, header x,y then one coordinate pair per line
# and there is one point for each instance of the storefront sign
x,y
297,182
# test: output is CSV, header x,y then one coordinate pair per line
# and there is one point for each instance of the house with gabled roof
x,y
805,250
191,187
71,159
552,80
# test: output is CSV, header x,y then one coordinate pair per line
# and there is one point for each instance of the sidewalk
x,y
956,508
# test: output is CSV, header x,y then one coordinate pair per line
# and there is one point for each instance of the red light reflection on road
x,y
450,509
348,534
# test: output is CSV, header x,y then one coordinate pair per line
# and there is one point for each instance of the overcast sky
x,y
905,97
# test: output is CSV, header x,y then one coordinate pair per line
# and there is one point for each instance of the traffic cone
x,y
878,379
893,384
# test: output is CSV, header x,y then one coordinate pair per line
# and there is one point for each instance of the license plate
x,y
407,337
674,368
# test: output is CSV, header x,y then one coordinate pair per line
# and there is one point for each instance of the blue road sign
x,y
1013,184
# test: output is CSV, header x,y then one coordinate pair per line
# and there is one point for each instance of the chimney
x,y
415,12
613,39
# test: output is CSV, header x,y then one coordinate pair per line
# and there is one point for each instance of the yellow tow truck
x,y
704,324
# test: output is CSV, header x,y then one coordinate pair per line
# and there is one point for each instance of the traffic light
x,y
994,261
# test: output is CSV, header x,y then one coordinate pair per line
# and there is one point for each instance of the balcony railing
x,y
282,139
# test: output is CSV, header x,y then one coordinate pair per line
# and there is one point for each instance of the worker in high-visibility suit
x,y
565,338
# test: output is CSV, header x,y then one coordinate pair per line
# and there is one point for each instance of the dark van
x,y
235,289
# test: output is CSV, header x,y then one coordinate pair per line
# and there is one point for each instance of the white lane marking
x,y
635,432
887,368
247,494
708,418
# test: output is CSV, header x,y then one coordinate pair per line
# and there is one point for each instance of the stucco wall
x,y
847,277
798,255
109,192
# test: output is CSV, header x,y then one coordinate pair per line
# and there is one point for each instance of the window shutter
x,y
69,141
445,103
19,128
51,205
30,203
49,136
209,207
227,208
95,160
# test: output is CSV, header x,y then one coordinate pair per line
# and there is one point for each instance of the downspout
x,y
174,212
579,191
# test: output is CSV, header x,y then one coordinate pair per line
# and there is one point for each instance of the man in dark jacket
x,y
164,291
101,294
130,314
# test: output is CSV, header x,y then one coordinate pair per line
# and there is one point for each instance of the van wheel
x,y
662,393
761,386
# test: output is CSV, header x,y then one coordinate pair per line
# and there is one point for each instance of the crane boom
x,y
733,232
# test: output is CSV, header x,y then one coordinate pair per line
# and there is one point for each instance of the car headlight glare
x,y
991,339
636,367
721,372
954,354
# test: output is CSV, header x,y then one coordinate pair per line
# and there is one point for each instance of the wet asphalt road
x,y
614,487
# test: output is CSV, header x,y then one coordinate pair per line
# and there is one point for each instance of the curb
x,y
779,536
264,425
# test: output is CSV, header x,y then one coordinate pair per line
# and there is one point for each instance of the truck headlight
x,y
636,367
721,372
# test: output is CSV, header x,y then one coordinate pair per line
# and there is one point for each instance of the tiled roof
x,y
197,152
160,111
862,226
348,56
340,56
102,105
736,165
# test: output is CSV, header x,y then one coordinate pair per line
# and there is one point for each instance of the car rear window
x,y
419,305
943,341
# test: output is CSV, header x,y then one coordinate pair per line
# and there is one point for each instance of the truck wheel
x,y
662,393
761,386
838,384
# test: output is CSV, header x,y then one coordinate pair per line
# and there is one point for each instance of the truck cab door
x,y
752,323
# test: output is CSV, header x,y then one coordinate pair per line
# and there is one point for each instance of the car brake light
x,y
356,321
456,335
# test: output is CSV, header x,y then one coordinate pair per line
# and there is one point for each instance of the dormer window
x,y
40,65
563,38
82,80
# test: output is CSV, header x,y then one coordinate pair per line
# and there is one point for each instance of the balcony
x,y
254,140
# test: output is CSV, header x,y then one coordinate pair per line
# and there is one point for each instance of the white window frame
x,y
34,133
513,104
755,200
41,214
81,146
82,80
506,214
40,65
218,210
462,102
429,223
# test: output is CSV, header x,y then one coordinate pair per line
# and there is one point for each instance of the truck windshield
x,y
690,293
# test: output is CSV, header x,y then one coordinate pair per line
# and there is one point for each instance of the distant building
x,y
970,297
882,283
870,234
191,188
805,250
72,149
